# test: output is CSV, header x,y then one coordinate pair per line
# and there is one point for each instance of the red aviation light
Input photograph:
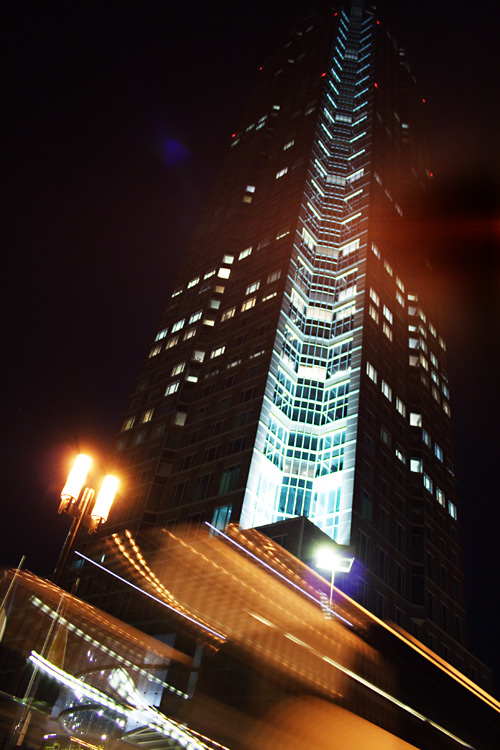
x,y
423,101
323,75
376,85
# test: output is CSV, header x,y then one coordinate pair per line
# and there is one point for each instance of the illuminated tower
x,y
299,366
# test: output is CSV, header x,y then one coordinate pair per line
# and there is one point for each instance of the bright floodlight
x,y
333,560
105,498
77,476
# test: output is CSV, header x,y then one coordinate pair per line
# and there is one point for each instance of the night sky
x,y
116,116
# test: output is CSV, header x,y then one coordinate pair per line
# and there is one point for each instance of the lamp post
x,y
335,558
78,502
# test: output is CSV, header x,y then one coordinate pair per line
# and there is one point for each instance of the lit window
x,y
288,145
221,517
195,316
387,314
224,273
178,325
209,273
193,282
180,418
426,437
161,334
424,362
228,259
400,284
248,303
269,296
147,416
388,268
400,407
432,329
219,289
386,390
452,510
190,333
252,287
177,369
413,360
281,172
245,253
250,188
442,344
427,482
171,342
177,291
415,419
282,234
373,313
434,359
371,372
400,298
376,251
438,452
446,408
273,276
217,352
400,455
171,388
440,496
198,355
155,350
374,296
128,424
208,322
387,330
445,390
228,313
434,377
416,465
214,304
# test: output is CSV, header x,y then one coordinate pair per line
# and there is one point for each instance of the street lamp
x,y
335,558
78,502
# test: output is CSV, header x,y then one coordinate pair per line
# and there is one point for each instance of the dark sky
x,y
116,116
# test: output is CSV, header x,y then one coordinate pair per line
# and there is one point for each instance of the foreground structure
x,y
299,367
249,655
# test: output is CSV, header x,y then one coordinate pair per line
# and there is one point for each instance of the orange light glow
x,y
77,476
105,498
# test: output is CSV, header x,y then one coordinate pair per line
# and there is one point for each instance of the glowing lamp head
x,y
105,499
334,560
76,478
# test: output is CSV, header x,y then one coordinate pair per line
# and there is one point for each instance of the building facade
x,y
299,367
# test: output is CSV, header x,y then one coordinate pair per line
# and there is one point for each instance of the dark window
x,y
366,506
202,487
211,453
364,548
237,445
229,479
242,419
178,493
217,427
382,563
400,580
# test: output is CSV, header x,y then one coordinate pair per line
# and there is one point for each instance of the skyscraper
x,y
299,366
